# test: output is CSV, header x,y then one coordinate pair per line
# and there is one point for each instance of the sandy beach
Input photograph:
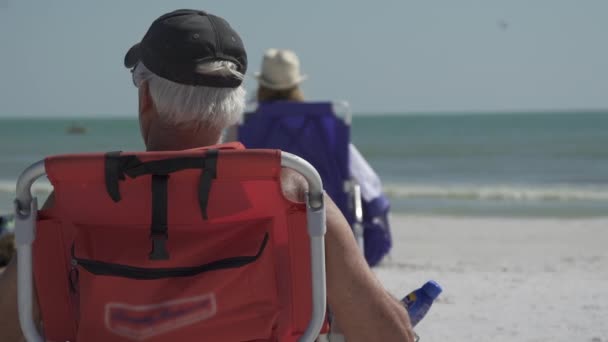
x,y
505,279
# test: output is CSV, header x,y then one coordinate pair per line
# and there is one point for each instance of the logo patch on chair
x,y
139,322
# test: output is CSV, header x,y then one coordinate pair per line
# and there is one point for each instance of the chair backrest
x,y
176,246
311,130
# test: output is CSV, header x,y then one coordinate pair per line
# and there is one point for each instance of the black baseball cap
x,y
178,42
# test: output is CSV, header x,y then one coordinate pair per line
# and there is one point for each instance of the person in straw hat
x,y
280,77
279,80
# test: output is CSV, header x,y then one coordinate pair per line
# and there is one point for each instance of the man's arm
x,y
9,317
363,309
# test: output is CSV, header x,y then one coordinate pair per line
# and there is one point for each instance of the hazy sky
x,y
60,57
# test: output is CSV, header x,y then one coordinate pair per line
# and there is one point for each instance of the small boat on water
x,y
75,129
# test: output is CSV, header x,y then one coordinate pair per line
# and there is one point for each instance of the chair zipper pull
x,y
73,277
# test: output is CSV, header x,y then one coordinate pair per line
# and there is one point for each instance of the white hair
x,y
179,103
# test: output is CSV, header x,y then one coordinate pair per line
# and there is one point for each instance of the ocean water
x,y
483,164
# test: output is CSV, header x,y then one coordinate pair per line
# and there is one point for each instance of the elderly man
x,y
188,69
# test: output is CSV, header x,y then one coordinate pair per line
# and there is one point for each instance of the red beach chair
x,y
171,246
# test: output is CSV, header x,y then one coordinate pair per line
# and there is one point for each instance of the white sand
x,y
505,279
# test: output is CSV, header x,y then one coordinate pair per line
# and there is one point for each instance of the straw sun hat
x,y
280,70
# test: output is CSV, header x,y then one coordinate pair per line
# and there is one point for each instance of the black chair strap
x,y
208,175
159,228
165,166
114,166
117,166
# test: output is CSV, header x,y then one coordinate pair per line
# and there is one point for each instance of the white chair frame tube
x,y
316,229
25,233
358,224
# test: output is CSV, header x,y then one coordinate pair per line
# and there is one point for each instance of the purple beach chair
x,y
314,132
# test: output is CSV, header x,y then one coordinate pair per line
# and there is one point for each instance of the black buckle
x,y
159,247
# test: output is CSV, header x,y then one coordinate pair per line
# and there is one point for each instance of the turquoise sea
x,y
481,164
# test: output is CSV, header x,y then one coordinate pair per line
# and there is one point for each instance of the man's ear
x,y
145,100
146,111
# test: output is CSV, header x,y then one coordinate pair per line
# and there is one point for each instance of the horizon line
x,y
357,113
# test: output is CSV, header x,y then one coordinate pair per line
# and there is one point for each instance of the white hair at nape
x,y
178,103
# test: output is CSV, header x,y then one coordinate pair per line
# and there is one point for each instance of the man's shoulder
x,y
294,185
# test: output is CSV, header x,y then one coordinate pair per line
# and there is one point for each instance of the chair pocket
x,y
51,264
212,287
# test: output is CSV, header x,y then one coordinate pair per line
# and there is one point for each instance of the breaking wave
x,y
448,192
498,193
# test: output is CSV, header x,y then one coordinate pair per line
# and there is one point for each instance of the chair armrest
x,y
26,210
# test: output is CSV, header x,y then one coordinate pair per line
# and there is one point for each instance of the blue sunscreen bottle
x,y
419,301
